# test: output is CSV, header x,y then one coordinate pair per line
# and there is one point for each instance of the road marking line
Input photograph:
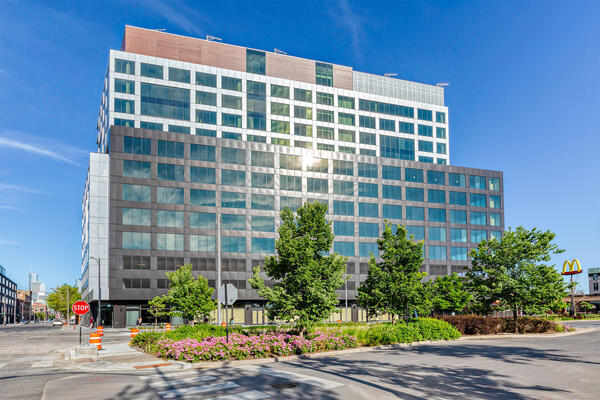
x,y
167,376
309,380
2,364
197,389
43,364
202,378
251,395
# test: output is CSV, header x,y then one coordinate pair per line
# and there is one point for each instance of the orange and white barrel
x,y
96,340
134,332
168,328
100,330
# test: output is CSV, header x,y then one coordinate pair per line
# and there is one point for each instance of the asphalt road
x,y
521,368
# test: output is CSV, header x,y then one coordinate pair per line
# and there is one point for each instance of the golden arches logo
x,y
572,267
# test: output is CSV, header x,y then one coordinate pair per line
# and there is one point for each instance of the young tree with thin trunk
x,y
57,300
157,308
188,297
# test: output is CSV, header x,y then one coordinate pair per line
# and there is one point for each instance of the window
x,y
324,132
413,175
256,105
230,83
367,170
152,71
477,200
233,102
263,224
392,211
262,202
425,115
365,249
436,177
233,222
391,173
205,79
343,207
124,106
202,175
440,117
325,99
287,161
346,119
346,149
417,232
206,132
458,217
425,130
280,109
345,102
170,149
343,167
233,244
125,66
167,195
303,144
233,156
477,182
260,180
202,220
293,203
255,62
256,139
387,124
386,108
395,147
494,184
263,245
415,213
458,235
136,193
179,129
368,210
133,145
169,241
324,115
233,200
171,172
437,252
426,159
440,148
478,218
136,240
283,92
438,234
316,185
436,215
392,192
124,86
344,248
456,180
368,138
368,189
231,177
324,74
425,146
436,196
303,95
440,133
406,127
494,201
206,117
136,169
442,161
343,228
303,129
125,122
206,98
495,235
202,152
136,216
458,198
202,243
458,253
367,122
368,229
478,235
165,101
179,75
262,159
494,219
280,126
415,194
326,147
345,188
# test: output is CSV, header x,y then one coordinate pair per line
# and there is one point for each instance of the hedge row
x,y
480,325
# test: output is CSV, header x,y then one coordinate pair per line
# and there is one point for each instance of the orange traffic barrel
x,y
168,328
223,324
134,332
100,330
96,340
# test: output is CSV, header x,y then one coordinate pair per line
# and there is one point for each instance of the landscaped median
x,y
208,343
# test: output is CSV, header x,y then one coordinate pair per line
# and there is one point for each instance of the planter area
x,y
480,325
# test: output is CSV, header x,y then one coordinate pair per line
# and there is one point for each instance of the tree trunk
x,y
515,317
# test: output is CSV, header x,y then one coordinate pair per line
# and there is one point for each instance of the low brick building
x,y
24,305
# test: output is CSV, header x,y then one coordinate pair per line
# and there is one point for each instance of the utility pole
x,y
68,320
346,282
218,280
99,291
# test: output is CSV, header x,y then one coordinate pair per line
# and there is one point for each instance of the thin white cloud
x,y
10,207
4,242
46,148
178,14
352,23
18,188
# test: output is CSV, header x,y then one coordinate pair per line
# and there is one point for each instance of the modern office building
x,y
190,130
37,288
8,298
594,280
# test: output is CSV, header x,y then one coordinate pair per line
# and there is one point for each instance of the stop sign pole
x,y
80,308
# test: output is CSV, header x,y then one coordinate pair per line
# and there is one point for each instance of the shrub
x,y
414,331
481,325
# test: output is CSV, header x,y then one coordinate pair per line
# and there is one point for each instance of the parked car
x,y
57,323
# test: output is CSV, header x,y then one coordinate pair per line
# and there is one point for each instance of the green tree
x,y
395,285
40,316
57,300
157,308
449,294
306,276
188,297
512,273
585,306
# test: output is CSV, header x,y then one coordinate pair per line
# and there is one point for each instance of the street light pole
x,y
218,280
68,319
99,290
346,282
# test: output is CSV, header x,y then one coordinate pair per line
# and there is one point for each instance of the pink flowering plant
x,y
216,348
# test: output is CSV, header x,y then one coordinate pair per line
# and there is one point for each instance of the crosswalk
x,y
251,382
27,362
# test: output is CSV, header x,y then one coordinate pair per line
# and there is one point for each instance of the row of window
x,y
200,152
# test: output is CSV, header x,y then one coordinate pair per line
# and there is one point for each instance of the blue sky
x,y
523,98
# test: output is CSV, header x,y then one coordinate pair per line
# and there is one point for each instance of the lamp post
x,y
99,290
218,280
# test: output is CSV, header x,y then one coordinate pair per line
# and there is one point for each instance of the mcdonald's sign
x,y
572,267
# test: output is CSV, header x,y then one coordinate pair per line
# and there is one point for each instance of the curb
x,y
528,335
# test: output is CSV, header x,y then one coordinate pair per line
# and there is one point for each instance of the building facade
x,y
192,133
594,280
37,288
24,305
8,298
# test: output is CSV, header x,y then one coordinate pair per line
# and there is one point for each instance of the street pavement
x,y
503,368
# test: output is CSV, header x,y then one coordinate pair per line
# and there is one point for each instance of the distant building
x,y
37,288
24,305
594,279
8,298
40,308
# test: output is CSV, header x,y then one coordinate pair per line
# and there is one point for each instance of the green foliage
x,y
585,306
57,300
414,330
40,316
306,276
157,308
513,274
395,285
188,297
449,294
480,325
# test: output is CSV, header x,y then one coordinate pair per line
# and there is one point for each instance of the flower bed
x,y
260,346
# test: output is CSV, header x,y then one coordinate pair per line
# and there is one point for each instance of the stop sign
x,y
80,307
